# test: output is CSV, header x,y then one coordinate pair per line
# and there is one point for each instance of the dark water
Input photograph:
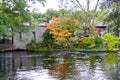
x,y
58,66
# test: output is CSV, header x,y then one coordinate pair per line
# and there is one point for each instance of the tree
x,y
17,9
13,13
49,14
63,30
70,24
39,17
85,15
58,32
113,18
64,13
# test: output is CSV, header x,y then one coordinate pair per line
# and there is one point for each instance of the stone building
x,y
20,40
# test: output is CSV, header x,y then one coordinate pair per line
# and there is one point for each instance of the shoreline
x,y
11,50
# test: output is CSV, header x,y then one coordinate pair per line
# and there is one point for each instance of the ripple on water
x,y
34,75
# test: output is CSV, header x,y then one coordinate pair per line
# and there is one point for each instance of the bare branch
x,y
80,5
96,6
95,12
88,4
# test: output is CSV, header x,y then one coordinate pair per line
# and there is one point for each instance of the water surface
x,y
24,65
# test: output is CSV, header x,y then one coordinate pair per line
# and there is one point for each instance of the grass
x,y
44,49
100,48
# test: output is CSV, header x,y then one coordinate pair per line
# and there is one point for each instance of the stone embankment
x,y
8,47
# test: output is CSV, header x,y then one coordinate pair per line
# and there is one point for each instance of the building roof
x,y
42,25
101,25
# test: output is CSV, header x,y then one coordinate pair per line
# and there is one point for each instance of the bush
x,y
87,42
91,42
111,41
47,38
98,41
75,44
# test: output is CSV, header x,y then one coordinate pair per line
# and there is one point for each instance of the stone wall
x,y
21,40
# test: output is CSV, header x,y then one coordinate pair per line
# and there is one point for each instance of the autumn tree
x,y
63,29
58,32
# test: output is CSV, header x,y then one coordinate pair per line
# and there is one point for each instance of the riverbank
x,y
10,47
51,50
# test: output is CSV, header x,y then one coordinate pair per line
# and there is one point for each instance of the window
x,y
34,34
20,35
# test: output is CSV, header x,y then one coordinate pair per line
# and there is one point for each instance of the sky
x,y
50,4
54,5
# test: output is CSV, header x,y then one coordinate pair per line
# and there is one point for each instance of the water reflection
x,y
62,68
57,66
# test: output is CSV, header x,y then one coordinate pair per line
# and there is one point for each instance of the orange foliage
x,y
57,31
81,39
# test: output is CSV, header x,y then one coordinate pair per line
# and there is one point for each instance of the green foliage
x,y
47,38
111,41
4,31
64,13
91,42
84,14
24,40
12,17
88,42
98,41
113,15
101,16
33,41
49,14
14,13
70,24
37,17
75,44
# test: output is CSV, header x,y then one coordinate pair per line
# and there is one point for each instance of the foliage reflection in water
x,y
57,66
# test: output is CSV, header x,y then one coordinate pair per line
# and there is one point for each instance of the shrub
x,y
91,42
47,38
111,41
98,41
87,42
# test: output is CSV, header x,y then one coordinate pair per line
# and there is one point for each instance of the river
x,y
58,65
